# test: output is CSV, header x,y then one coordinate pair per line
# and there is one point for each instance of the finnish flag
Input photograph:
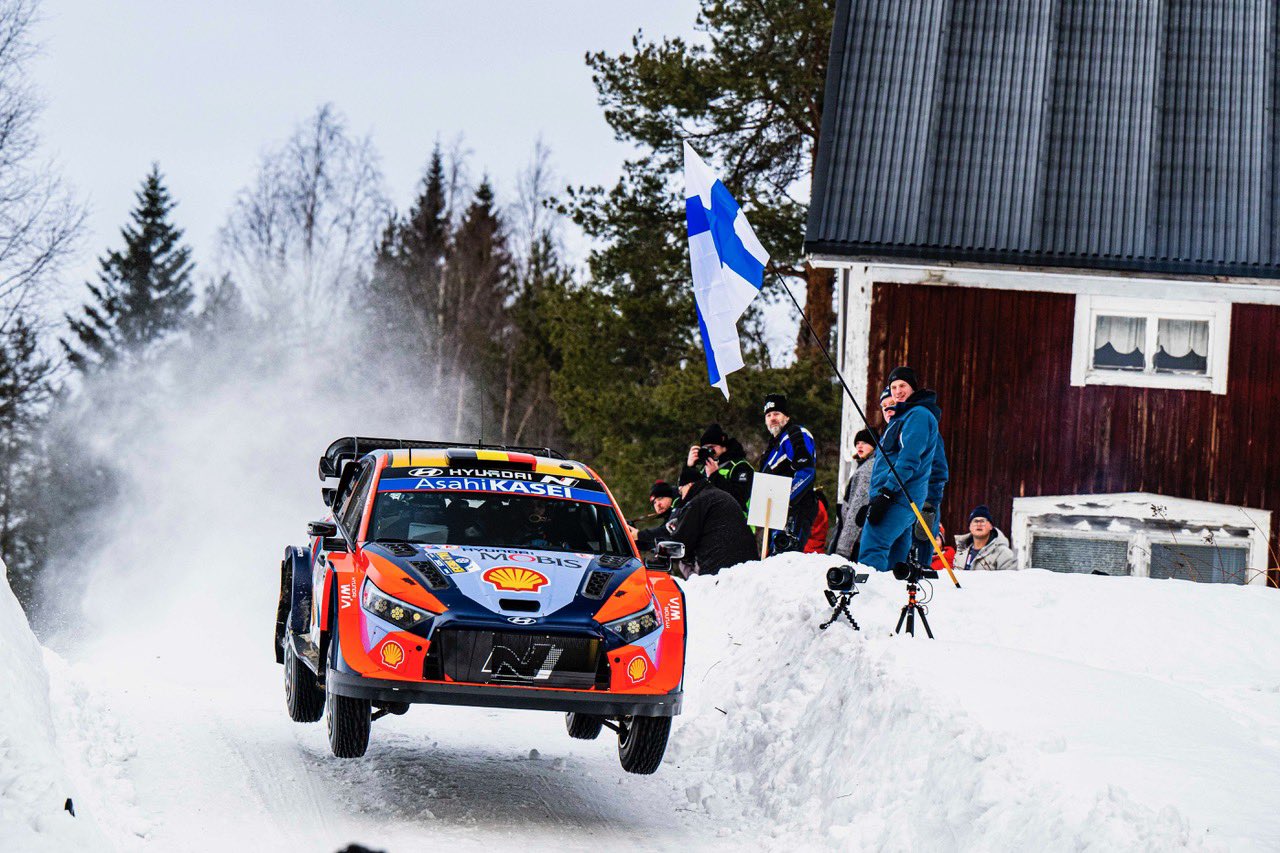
x,y
728,266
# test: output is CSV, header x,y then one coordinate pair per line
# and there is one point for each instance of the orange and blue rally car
x,y
478,575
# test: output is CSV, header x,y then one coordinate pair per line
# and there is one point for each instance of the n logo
x,y
536,664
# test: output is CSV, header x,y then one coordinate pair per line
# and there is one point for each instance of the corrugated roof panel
x,y
1131,134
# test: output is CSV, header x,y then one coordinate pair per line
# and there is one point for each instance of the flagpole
x,y
937,549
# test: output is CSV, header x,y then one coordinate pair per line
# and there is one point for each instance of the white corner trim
x,y
855,356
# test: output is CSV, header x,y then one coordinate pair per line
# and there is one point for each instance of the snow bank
x,y
34,785
1053,712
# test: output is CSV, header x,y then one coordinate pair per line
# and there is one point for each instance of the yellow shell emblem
x,y
637,668
515,579
392,654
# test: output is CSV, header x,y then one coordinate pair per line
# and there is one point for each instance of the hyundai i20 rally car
x,y
471,575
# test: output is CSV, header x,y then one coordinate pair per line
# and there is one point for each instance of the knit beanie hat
x,y
981,512
715,434
865,436
907,375
776,403
884,395
689,475
663,489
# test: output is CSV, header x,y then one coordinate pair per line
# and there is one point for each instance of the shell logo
x,y
392,654
637,669
515,579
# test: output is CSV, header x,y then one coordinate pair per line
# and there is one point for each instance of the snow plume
x,y
210,470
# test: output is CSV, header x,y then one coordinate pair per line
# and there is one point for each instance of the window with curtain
x,y
1182,346
1119,343
1151,342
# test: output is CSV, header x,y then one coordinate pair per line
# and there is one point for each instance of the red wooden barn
x,y
1064,216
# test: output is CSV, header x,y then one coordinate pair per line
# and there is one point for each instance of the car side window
x,y
354,507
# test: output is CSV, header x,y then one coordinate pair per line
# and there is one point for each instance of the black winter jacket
x,y
735,473
713,530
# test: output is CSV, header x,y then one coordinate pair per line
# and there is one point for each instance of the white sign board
x,y
770,500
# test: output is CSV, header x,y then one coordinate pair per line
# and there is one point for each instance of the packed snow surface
x,y
1052,712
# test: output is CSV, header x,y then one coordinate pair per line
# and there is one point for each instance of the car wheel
x,y
583,726
642,743
348,721
304,698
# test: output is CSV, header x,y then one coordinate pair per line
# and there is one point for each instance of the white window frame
x,y
1089,307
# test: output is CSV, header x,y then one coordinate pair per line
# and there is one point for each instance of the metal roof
x,y
1116,134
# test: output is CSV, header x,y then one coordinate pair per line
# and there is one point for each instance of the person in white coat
x,y
984,547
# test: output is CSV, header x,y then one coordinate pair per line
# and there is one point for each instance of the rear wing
x,y
353,447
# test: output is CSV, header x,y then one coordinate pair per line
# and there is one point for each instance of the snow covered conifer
x,y
143,294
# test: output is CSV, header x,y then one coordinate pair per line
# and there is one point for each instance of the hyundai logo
x,y
521,620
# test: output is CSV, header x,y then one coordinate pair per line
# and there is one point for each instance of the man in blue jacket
x,y
910,443
791,453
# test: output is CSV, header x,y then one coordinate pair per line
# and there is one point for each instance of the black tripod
x,y
909,611
840,607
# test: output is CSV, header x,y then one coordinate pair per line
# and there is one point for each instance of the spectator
x,y
902,384
662,498
949,552
886,406
856,496
790,454
909,443
984,546
727,468
711,526
817,542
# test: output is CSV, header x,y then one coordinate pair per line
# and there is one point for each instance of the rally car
x,y
477,575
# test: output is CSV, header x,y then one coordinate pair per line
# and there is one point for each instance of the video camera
x,y
913,572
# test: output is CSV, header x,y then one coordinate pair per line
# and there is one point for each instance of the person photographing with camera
x,y
724,463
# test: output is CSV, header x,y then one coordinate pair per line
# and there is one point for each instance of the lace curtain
x,y
1118,343
1182,346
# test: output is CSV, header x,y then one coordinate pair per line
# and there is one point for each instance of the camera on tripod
x,y
842,586
913,572
843,578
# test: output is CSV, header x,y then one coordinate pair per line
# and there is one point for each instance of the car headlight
x,y
635,626
393,610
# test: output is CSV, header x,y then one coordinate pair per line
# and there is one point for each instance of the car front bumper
x,y
602,703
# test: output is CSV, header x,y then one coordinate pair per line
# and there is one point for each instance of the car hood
x,y
511,582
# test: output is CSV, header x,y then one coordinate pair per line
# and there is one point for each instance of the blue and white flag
x,y
728,266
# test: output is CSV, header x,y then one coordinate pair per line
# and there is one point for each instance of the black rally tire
x,y
583,726
302,695
348,721
642,743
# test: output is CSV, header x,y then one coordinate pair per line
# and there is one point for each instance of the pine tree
x,y
405,299
25,388
144,292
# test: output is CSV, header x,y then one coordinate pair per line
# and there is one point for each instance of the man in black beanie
x,y
791,453
908,443
711,526
662,498
724,463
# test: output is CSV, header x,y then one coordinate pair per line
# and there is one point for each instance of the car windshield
x,y
508,521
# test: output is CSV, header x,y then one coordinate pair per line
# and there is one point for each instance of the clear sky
x,y
205,88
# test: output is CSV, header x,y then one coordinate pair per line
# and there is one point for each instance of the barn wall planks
x,y
1015,426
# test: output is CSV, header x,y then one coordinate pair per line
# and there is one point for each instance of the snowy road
x,y
217,764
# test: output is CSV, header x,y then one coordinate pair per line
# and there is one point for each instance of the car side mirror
x,y
327,495
322,529
670,550
663,554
